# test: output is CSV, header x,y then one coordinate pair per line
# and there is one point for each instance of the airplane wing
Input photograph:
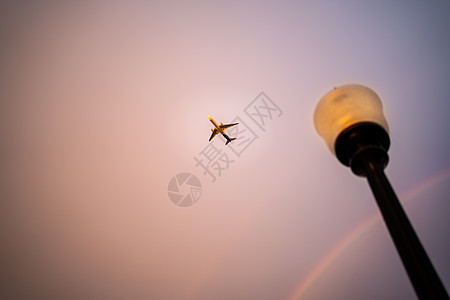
x,y
213,134
227,125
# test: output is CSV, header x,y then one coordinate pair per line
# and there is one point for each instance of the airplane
x,y
220,129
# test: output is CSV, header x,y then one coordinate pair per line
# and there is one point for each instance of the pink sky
x,y
102,104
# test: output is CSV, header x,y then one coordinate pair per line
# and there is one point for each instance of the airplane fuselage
x,y
220,130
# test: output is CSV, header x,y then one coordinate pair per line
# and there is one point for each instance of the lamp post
x,y
350,119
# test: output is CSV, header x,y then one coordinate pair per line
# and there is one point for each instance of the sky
x,y
104,109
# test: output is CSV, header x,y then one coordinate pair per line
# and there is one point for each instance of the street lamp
x,y
350,119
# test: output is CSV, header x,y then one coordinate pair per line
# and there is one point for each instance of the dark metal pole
x,y
363,147
421,272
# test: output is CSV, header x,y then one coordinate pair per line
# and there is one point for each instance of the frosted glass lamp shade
x,y
345,106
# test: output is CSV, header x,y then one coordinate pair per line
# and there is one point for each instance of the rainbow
x,y
353,235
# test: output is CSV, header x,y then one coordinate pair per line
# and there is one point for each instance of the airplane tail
x,y
229,140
